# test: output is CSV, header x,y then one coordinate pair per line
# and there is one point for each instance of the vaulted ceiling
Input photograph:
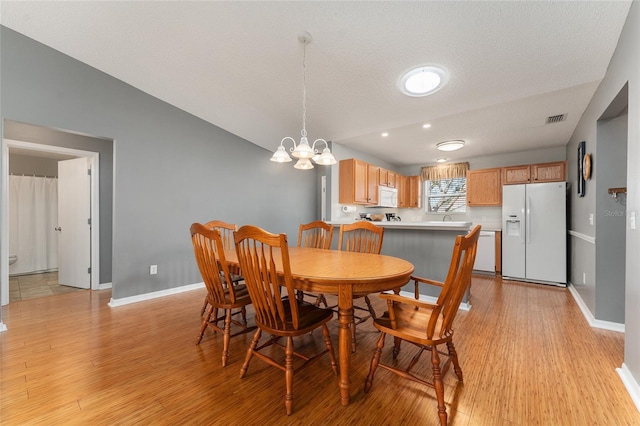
x,y
238,65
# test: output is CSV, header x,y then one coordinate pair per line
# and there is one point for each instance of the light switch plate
x,y
590,218
632,220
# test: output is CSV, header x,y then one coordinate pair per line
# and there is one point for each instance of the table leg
x,y
345,317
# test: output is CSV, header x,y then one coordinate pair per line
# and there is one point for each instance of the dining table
x,y
345,274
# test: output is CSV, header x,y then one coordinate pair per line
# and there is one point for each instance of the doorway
x,y
92,159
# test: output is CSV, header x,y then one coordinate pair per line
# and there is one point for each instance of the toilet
x,y
12,259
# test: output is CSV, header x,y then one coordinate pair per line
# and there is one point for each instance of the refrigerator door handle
x,y
528,223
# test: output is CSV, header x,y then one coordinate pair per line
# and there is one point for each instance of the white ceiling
x,y
238,65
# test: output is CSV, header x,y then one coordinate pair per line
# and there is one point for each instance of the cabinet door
x,y
373,177
415,191
548,172
353,182
484,187
516,175
392,179
402,183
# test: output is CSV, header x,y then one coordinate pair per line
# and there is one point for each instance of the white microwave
x,y
387,197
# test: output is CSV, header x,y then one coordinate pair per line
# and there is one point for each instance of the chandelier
x,y
302,150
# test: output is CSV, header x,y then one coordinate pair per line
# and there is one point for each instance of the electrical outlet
x,y
590,218
584,278
153,269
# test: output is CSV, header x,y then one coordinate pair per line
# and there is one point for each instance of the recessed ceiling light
x,y
426,125
423,81
384,134
450,145
441,160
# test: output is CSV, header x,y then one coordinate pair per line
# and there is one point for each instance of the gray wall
x,y
624,68
170,168
104,147
610,218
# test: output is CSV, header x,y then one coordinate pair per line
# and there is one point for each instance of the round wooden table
x,y
345,274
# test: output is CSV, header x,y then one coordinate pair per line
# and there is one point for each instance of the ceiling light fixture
x,y
453,145
384,134
441,160
303,151
423,81
426,125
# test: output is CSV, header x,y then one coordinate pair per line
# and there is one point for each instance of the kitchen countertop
x,y
425,225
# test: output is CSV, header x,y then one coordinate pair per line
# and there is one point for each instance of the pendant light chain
x,y
304,89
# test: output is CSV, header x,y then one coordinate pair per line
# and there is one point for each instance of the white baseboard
x,y
154,295
2,327
593,322
630,383
104,286
432,299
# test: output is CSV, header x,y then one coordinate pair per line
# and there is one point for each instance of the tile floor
x,y
25,287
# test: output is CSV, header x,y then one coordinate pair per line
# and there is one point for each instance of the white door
x,y
74,236
547,232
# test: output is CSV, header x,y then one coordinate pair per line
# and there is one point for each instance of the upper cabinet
x,y
484,187
402,184
414,191
535,173
353,182
387,178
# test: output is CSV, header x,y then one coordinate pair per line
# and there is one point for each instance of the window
x,y
446,195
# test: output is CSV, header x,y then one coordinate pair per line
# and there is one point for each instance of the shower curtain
x,y
33,216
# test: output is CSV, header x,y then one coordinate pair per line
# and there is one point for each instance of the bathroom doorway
x,y
38,285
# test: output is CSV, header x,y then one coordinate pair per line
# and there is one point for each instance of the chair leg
x,y
244,315
204,305
227,337
375,360
288,374
252,348
396,346
454,358
439,386
321,300
332,355
370,307
205,322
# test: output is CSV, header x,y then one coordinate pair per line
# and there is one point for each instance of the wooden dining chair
x,y
264,261
317,234
226,233
428,325
209,252
362,237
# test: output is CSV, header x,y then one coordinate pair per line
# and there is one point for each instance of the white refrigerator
x,y
534,236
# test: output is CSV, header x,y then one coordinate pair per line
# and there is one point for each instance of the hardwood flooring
x,y
528,357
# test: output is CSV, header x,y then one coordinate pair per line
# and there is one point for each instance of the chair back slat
x,y
317,234
264,261
361,237
226,232
209,253
456,284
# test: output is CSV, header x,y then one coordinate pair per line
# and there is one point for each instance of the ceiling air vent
x,y
556,118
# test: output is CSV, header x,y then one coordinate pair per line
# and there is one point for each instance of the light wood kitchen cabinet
x,y
414,192
499,252
402,184
484,187
516,174
373,177
353,187
549,172
535,173
387,178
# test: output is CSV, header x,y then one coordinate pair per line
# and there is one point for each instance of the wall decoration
x,y
581,180
586,167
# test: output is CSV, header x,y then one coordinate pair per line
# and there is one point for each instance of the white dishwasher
x,y
486,252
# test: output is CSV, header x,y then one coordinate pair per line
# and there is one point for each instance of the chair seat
x,y
309,317
410,324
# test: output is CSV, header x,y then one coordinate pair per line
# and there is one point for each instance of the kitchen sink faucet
x,y
444,219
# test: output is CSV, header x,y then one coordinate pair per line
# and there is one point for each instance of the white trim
x,y
630,383
593,322
432,299
2,327
104,286
154,295
583,237
93,158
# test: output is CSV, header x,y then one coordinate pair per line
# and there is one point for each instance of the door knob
x,y
57,228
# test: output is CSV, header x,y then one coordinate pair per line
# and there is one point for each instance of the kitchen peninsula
x,y
427,245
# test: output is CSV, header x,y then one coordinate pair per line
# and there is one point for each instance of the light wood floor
x,y
528,357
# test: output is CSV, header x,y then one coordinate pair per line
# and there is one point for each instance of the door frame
x,y
93,159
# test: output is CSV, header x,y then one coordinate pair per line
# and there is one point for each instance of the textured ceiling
x,y
238,65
